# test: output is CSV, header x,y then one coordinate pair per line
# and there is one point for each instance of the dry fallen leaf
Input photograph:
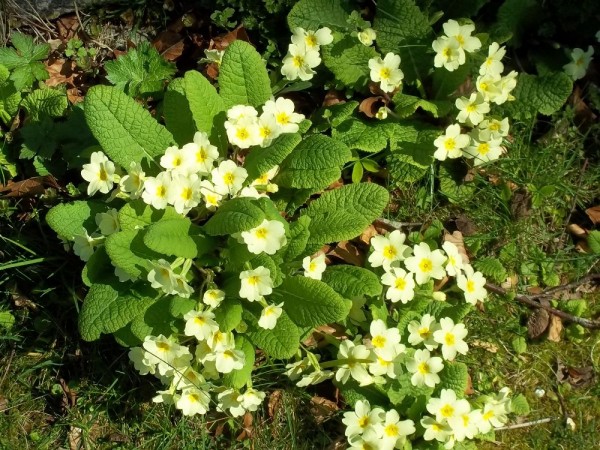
x,y
247,430
487,346
594,214
538,323
61,71
27,188
469,389
75,435
349,253
555,328
366,235
67,27
576,230
322,409
575,376
222,42
333,97
169,44
370,105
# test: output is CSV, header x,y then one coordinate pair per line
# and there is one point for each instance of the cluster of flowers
x,y
450,48
304,53
453,420
190,373
484,142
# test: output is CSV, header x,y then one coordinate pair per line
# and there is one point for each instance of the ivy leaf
x,y
344,213
314,14
315,163
128,252
260,161
125,130
348,60
69,219
243,76
238,378
238,214
177,237
140,71
106,310
24,60
308,302
352,281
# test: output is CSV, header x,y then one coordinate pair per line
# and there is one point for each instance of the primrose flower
x,y
252,399
384,339
213,297
244,132
450,145
99,173
133,183
256,283
439,431
426,264
382,113
451,337
156,190
473,285
493,415
181,287
268,237
84,245
425,368
363,419
314,268
462,35
268,129
389,368
213,56
138,356
166,353
493,63
269,316
211,194
472,109
447,406
315,377
174,161
200,324
186,378
199,156
466,425
300,62
387,72
580,61
506,85
184,193
282,110
108,222
489,85
313,40
266,177
388,249
357,357
393,430
161,276
228,177
367,36
484,151
193,401
231,399
401,285
455,260
490,129
422,332
448,53
239,113
228,359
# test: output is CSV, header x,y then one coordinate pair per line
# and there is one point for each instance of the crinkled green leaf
x,y
128,252
140,71
514,18
308,302
7,320
137,214
69,219
402,388
333,115
454,376
177,237
281,342
594,241
154,320
315,163
344,213
519,405
229,313
348,60
543,94
180,306
315,14
24,60
46,102
297,240
97,269
178,116
261,160
39,139
360,134
453,186
491,268
125,130
10,99
405,105
398,22
238,214
238,378
106,310
243,77
352,281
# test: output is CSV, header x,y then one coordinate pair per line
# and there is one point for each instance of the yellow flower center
x,y
211,199
298,61
483,148
265,132
163,346
193,398
471,108
186,193
363,421
263,179
229,178
311,40
177,161
450,144
253,280
261,233
400,283
389,252
435,427
269,311
494,126
470,286
312,266
580,61
488,415
228,354
391,430
282,118
465,419
201,155
423,368
447,411
424,333
449,339
199,320
425,265
102,174
385,73
484,86
447,52
161,191
379,341
489,61
242,134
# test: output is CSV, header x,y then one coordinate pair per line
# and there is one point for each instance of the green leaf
x,y
7,320
180,306
238,378
344,213
491,268
315,163
69,219
308,302
406,105
24,60
593,240
401,388
45,102
298,238
352,281
281,342
10,100
128,252
261,160
207,107
140,71
333,115
519,344
454,376
543,94
154,320
177,237
106,309
243,76
519,405
348,60
314,14
359,134
124,129
236,215
398,22
453,186
229,313
97,269
178,116
138,214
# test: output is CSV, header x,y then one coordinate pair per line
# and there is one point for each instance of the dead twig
x,y
397,225
527,424
532,300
